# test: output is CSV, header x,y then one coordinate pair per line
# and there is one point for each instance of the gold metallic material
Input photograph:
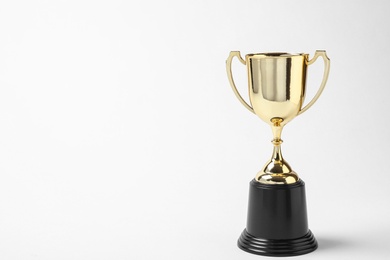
x,y
230,77
277,83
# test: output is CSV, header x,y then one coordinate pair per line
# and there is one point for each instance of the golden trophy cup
x,y
277,216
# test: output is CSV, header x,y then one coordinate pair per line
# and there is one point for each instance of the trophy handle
x,y
230,77
324,79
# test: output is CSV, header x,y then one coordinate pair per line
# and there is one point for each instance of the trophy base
x,y
277,221
277,247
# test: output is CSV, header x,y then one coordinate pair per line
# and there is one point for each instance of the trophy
x,y
277,222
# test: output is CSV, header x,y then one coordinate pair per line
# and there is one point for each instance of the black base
x,y
277,221
278,247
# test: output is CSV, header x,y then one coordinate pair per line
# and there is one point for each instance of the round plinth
x,y
277,247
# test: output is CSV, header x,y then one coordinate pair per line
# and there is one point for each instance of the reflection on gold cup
x,y
277,83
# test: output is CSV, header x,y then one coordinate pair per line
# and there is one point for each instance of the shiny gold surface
x,y
230,77
276,84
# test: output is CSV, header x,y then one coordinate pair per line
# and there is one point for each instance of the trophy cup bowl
x,y
277,219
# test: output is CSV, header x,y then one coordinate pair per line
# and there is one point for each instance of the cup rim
x,y
275,54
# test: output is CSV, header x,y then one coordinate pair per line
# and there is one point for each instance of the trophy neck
x,y
277,128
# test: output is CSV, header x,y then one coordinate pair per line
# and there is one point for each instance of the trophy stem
x,y
277,141
277,153
277,130
277,170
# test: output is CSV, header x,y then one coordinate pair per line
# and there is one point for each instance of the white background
x,y
120,137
